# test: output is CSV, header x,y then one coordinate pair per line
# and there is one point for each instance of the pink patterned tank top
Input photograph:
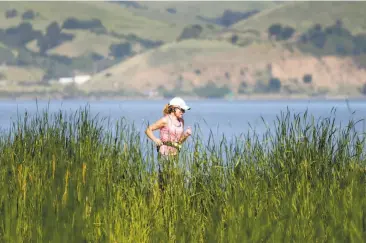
x,y
170,133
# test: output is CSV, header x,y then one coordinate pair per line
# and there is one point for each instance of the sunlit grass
x,y
77,178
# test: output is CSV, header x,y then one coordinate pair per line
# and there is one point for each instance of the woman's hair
x,y
167,109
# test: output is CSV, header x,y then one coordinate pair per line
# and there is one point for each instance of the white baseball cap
x,y
177,101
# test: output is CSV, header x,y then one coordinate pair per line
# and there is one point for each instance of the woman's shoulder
x,y
164,119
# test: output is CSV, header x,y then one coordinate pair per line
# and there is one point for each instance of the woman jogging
x,y
172,134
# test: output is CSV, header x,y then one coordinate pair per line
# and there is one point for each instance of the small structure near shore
x,y
79,79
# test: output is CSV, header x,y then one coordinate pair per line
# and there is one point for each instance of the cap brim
x,y
186,108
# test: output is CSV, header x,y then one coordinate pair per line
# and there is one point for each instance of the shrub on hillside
x,y
227,75
11,13
24,57
120,50
61,59
260,86
6,56
28,15
20,35
146,43
165,93
332,40
53,37
287,33
316,36
359,42
307,78
96,56
274,30
280,32
211,90
83,63
197,72
171,10
74,23
234,39
243,88
230,17
363,89
72,91
53,30
274,85
56,70
191,32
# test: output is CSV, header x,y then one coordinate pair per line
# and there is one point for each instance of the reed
x,y
77,178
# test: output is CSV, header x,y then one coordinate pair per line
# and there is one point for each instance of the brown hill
x,y
185,66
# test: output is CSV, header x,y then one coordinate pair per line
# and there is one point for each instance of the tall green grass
x,y
78,178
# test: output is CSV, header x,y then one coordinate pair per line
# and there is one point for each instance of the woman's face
x,y
178,112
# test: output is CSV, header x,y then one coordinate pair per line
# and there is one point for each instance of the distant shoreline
x,y
255,97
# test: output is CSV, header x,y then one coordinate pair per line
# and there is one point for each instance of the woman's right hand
x,y
158,142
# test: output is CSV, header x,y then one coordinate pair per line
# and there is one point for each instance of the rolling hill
x,y
193,12
183,69
303,15
113,17
208,49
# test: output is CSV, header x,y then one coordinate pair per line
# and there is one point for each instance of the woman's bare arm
x,y
185,135
157,125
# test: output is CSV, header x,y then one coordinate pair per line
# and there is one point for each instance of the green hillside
x,y
113,17
204,8
132,46
303,15
62,38
157,63
110,31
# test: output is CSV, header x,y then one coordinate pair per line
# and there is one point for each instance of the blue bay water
x,y
215,117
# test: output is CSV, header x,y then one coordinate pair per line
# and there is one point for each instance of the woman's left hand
x,y
188,132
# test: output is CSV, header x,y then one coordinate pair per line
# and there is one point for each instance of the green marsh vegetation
x,y
78,178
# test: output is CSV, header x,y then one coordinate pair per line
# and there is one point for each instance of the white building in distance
x,y
79,79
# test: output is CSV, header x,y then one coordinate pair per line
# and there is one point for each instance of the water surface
x,y
216,117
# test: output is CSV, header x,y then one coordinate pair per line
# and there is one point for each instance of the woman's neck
x,y
173,117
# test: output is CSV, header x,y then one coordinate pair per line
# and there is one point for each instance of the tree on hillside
x,y
287,33
317,36
280,32
211,90
28,15
24,57
363,89
74,23
274,85
52,38
274,30
6,56
359,42
20,35
53,30
171,10
307,78
234,39
338,29
243,87
191,32
120,50
11,13
230,17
